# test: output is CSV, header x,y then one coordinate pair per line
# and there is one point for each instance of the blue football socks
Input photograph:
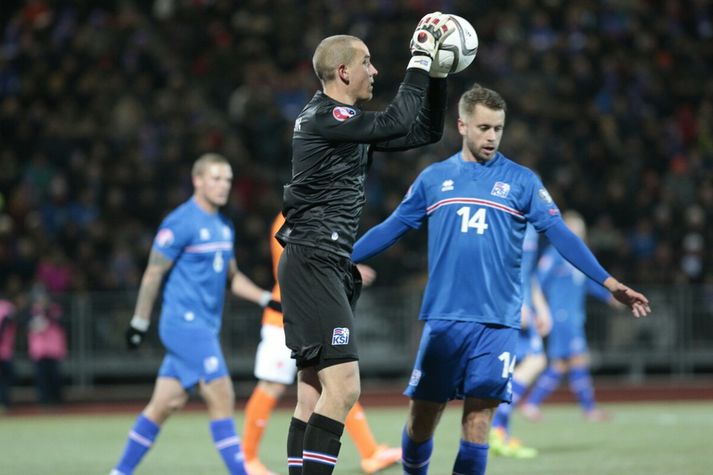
x,y
416,456
580,382
472,459
228,444
141,438
544,386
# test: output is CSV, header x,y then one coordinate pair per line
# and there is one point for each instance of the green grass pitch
x,y
641,439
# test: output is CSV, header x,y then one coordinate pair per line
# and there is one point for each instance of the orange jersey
x,y
270,316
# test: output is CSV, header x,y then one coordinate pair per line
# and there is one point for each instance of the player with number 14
x,y
478,203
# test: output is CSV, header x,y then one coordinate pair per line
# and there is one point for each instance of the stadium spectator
x,y
622,86
8,329
46,345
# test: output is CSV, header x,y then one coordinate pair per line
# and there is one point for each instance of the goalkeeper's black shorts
x,y
319,291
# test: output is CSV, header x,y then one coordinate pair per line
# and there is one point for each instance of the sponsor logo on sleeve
x,y
342,113
164,237
340,336
544,196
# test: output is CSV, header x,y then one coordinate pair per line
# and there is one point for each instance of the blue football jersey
x,y
566,288
477,215
200,245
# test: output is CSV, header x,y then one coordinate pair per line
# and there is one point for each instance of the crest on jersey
x,y
342,113
544,196
447,185
500,189
340,336
164,237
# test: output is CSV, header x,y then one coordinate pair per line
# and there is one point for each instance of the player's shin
x,y
321,445
295,443
141,438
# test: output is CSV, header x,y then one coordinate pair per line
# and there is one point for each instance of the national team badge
x,y
500,189
447,185
340,336
343,113
210,364
544,195
164,237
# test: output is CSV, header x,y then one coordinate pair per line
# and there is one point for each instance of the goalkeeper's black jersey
x,y
331,151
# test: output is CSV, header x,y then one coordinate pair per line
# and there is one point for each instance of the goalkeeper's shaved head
x,y
331,52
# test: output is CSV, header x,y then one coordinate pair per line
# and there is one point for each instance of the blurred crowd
x,y
105,105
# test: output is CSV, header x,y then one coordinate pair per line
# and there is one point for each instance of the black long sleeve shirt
x,y
331,149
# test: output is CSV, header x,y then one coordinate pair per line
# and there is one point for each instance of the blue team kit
x,y
200,244
565,288
478,214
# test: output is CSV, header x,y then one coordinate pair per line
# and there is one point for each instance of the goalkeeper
x,y
332,145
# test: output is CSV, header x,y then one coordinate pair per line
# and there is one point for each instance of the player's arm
x,y
398,118
543,318
601,293
578,254
151,281
380,237
428,126
243,287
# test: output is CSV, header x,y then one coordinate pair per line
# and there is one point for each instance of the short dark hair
x,y
330,53
480,95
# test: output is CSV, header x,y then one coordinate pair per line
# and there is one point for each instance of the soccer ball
x,y
458,49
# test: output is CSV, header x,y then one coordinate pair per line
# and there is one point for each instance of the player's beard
x,y
475,152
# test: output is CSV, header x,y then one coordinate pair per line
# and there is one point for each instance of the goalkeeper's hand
x,y
136,332
430,33
266,301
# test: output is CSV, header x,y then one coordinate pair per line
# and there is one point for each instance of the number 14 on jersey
x,y
475,221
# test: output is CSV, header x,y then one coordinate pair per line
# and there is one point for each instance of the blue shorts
x,y
566,340
529,342
191,356
458,359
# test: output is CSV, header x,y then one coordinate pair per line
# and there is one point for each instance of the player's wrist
x,y
140,323
420,61
265,298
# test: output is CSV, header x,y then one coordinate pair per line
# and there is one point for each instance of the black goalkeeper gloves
x,y
136,333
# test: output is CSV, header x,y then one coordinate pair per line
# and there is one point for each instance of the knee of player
x,y
176,403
